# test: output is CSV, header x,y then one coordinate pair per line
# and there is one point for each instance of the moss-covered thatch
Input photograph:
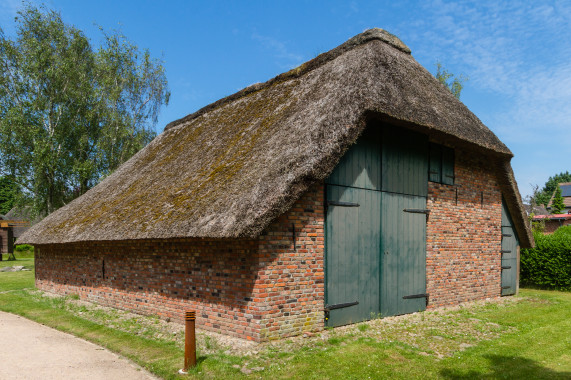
x,y
231,168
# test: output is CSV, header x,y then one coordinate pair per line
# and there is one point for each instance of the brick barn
x,y
355,185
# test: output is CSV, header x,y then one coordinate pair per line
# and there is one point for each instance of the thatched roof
x,y
231,168
19,215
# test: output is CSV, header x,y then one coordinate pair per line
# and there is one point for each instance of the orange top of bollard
x,y
190,315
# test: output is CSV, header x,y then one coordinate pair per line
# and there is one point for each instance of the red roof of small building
x,y
553,216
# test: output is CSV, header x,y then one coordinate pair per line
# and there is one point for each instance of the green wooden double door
x,y
376,228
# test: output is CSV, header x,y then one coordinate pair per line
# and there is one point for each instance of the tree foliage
x,y
557,206
70,113
543,196
8,194
454,84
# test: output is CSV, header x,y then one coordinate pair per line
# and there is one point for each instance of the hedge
x,y
548,265
24,247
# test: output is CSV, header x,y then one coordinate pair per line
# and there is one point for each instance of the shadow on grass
x,y
200,359
508,367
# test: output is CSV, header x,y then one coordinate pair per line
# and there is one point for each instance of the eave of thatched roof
x,y
229,169
514,203
20,215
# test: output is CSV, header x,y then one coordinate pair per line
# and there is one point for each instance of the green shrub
x,y
24,248
548,265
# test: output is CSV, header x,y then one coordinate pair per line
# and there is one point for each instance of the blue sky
x,y
517,54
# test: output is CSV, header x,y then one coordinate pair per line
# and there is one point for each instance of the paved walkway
x,y
33,351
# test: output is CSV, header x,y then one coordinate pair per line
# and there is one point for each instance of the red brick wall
x,y
3,240
552,225
290,287
257,289
6,237
214,277
463,258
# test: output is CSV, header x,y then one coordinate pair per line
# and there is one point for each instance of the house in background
x,y
21,221
553,221
12,226
353,185
566,194
535,210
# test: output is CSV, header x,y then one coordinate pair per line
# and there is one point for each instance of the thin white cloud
x,y
488,37
518,51
353,7
285,58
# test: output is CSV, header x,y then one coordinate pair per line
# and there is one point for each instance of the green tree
x,y
8,194
71,114
454,84
557,206
544,196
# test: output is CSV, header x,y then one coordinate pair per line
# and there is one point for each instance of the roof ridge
x,y
358,40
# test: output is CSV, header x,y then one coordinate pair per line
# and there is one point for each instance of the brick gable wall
x,y
463,258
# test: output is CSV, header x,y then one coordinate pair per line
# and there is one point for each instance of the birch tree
x,y
70,113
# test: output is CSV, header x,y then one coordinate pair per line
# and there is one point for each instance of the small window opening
x,y
441,164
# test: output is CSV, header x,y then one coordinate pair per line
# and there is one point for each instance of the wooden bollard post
x,y
189,341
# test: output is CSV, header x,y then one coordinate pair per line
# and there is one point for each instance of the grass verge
x,y
525,337
17,280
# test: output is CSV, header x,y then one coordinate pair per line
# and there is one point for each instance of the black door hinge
x,y
340,305
342,204
417,211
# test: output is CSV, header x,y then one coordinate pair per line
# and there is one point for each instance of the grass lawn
x,y
17,280
524,337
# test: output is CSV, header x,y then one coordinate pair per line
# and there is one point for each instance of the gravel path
x,y
33,351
